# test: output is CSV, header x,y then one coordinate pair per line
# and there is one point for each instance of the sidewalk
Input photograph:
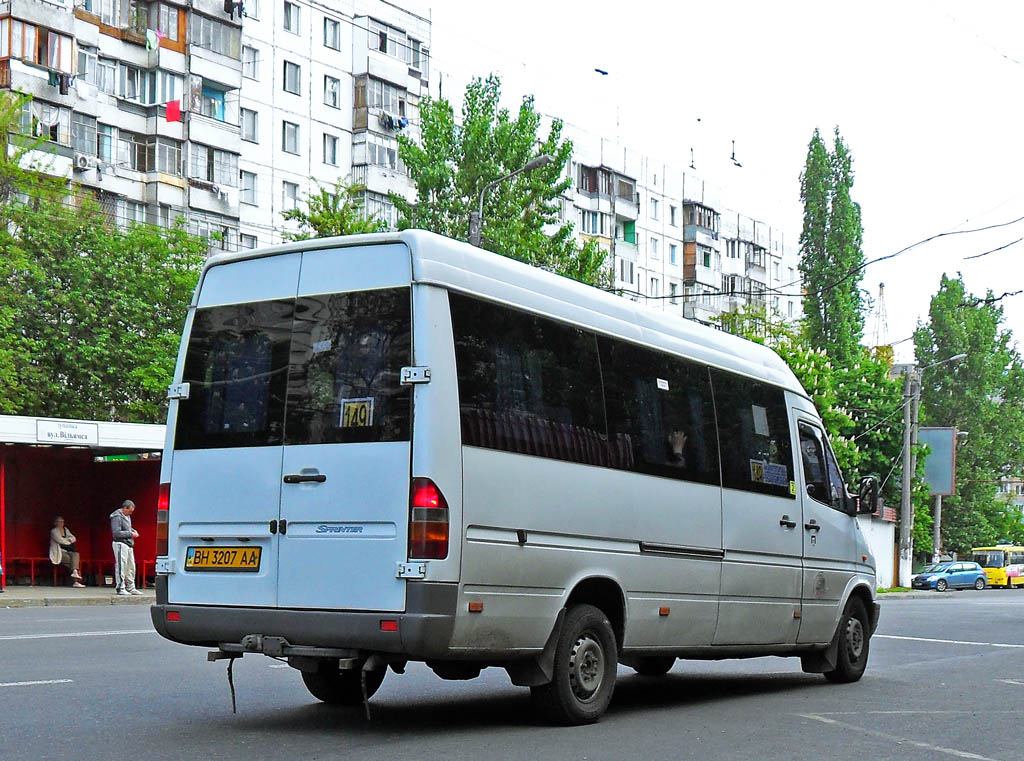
x,y
26,596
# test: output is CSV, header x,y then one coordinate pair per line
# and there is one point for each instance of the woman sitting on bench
x,y
63,550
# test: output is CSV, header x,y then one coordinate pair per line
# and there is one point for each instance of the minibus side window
x,y
527,384
661,417
348,350
236,367
753,435
816,472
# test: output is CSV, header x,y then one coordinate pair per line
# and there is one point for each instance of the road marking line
x,y
280,666
8,637
41,681
1017,682
946,641
898,739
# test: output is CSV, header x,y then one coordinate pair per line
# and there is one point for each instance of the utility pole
x,y
911,394
937,529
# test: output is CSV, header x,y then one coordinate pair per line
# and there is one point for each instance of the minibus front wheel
x,y
853,640
585,663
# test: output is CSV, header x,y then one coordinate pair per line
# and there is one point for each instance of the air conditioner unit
x,y
84,161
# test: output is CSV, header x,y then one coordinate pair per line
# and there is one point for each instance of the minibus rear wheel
x,y
343,688
584,671
854,638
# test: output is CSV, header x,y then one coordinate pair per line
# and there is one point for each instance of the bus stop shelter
x,y
82,470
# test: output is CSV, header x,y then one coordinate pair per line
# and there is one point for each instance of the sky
x,y
927,95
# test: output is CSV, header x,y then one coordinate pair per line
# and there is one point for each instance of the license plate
x,y
223,559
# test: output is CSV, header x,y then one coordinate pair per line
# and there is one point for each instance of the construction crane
x,y
880,345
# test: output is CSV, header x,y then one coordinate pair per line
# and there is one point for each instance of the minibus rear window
x,y
348,350
236,367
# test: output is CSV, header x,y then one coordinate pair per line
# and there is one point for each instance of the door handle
x,y
273,527
786,522
304,478
812,525
283,526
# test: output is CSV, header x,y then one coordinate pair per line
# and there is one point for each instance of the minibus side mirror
x,y
867,496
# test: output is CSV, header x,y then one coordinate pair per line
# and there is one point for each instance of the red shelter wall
x,y
42,482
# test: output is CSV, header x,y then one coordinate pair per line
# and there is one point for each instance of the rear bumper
x,y
876,612
424,629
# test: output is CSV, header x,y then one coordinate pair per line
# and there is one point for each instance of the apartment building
x,y
1011,492
672,240
326,90
111,80
221,112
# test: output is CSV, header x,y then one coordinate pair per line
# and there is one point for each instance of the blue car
x,y
958,574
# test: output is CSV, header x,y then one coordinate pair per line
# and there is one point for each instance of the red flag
x,y
174,110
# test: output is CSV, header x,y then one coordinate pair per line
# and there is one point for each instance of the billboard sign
x,y
940,464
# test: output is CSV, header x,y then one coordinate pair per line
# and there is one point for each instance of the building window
x,y
389,40
290,137
654,248
130,212
789,309
247,241
291,17
290,195
86,57
129,88
672,216
250,125
672,292
292,72
106,75
330,149
332,33
654,209
251,9
164,19
377,94
212,103
213,35
382,151
212,165
106,139
168,156
672,253
332,91
379,206
418,57
83,133
654,287
250,62
247,188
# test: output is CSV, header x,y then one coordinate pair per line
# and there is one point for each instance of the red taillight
x,y
173,615
163,517
428,521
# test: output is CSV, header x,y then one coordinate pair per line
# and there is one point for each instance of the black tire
x,y
654,665
854,636
341,688
979,584
941,585
585,664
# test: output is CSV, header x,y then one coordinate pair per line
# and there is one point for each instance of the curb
x,y
67,602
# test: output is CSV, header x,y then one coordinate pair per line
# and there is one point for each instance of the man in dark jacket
x,y
124,537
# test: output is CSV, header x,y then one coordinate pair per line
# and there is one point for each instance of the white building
x,y
326,89
677,245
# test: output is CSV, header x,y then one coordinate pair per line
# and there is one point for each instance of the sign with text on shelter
x,y
63,432
940,464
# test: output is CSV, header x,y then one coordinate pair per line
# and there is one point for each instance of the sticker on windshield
x,y
357,413
757,471
662,384
776,474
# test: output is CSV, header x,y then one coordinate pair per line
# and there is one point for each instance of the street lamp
x,y
912,399
476,218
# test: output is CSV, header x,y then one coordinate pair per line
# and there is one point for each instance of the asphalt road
x,y
945,681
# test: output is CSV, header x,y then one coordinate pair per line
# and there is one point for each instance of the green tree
x,y
100,309
831,259
454,161
982,395
335,211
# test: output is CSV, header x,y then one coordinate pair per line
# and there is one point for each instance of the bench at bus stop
x,y
36,566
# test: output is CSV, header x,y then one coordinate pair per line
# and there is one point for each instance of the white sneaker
x,y
123,593
134,592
